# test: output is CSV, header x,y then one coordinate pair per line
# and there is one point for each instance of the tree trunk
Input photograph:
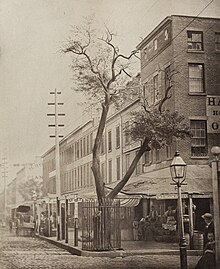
x,y
144,147
99,183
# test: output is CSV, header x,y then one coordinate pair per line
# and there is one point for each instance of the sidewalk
x,y
129,248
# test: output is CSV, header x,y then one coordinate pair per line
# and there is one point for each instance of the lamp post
x,y
178,174
216,203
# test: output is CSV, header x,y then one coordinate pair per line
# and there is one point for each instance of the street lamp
x,y
178,174
216,188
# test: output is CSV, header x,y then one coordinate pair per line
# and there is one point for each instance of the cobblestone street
x,y
31,253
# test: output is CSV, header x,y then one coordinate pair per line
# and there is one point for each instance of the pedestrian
x,y
141,229
135,229
209,227
207,261
153,218
153,215
10,224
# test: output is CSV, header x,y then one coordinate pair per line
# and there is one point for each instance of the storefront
x,y
160,199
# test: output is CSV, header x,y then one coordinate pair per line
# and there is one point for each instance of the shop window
x,y
196,78
199,145
217,41
195,40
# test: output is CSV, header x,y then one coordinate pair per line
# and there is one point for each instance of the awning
x,y
157,184
129,202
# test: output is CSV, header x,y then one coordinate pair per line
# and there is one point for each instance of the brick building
x,y
185,49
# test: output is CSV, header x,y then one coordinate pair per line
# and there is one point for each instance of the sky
x,y
31,65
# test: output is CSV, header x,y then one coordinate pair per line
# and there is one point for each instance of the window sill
x,y
199,157
198,93
147,164
196,51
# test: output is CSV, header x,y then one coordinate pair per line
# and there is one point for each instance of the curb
x,y
115,253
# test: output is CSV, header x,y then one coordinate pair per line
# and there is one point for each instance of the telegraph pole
x,y
56,114
5,175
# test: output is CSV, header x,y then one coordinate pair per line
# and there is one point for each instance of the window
x,y
77,150
109,141
156,88
155,44
81,148
195,40
110,171
148,157
103,145
196,78
166,35
87,174
167,74
127,161
138,167
127,137
73,179
168,151
69,181
157,151
87,145
199,140
217,41
118,137
91,142
103,171
118,168
84,147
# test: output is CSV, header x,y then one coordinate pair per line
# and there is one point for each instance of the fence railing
x,y
101,229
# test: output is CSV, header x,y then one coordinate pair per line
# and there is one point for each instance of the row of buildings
x,y
188,50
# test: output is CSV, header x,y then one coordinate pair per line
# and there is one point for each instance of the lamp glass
x,y
178,168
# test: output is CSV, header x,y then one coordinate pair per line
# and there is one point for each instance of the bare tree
x,y
100,71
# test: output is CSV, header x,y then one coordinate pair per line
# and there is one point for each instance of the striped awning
x,y
129,202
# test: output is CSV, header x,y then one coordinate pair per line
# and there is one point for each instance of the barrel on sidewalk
x,y
198,240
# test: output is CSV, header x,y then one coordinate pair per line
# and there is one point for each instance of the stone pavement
x,y
33,253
